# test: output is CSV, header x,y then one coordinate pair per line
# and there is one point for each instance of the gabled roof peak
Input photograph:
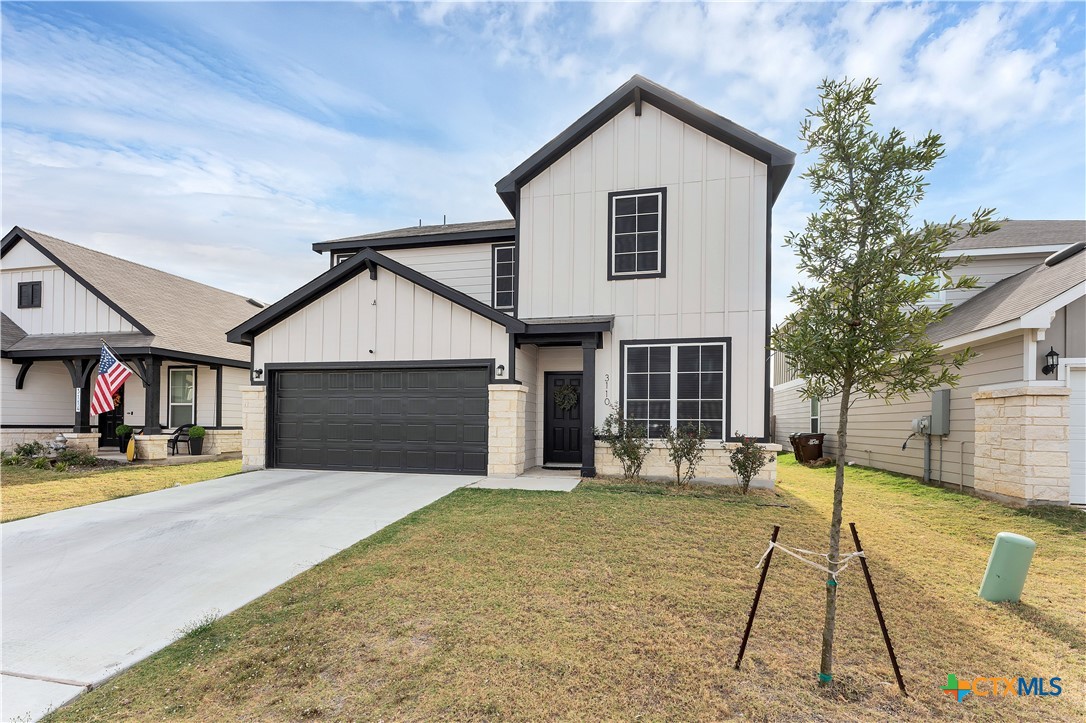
x,y
634,91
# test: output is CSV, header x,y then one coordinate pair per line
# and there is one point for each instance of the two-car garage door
x,y
396,419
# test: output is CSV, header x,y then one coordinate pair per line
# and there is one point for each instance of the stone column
x,y
506,429
254,409
1022,438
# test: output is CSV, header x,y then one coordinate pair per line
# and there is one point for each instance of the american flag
x,y
111,375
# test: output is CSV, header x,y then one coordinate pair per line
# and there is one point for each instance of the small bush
x,y
77,458
123,429
30,449
60,467
197,432
685,445
41,463
627,442
747,460
14,460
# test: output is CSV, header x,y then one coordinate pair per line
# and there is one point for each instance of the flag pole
x,y
131,367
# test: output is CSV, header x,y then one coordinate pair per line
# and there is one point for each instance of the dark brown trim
x,y
24,367
17,234
169,381
454,238
726,340
127,352
344,272
494,277
685,110
662,272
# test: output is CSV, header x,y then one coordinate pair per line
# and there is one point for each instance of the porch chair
x,y
180,436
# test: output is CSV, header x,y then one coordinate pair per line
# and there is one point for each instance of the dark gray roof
x,y
1012,234
10,332
635,90
571,319
1011,298
416,231
93,342
170,312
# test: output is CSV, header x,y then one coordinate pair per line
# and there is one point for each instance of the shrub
x,y
197,432
747,460
123,429
30,449
627,442
685,445
60,467
41,463
14,460
77,458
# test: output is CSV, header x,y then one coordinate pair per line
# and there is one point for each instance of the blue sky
x,y
219,140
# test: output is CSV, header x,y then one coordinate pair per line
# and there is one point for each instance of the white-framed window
x,y
675,384
182,396
816,415
636,234
503,268
339,258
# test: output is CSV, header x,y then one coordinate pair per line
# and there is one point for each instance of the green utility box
x,y
1007,567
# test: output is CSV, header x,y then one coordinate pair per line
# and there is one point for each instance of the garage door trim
x,y
272,369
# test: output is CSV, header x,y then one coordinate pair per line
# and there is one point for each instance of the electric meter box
x,y
940,413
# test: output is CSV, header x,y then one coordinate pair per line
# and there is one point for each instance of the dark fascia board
x,y
456,238
640,88
340,274
125,352
567,328
17,234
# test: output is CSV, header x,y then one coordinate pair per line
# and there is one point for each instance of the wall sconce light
x,y
257,373
501,370
1053,359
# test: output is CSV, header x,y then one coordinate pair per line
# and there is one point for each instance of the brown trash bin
x,y
793,439
809,446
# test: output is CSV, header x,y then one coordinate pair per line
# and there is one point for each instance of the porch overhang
x,y
565,331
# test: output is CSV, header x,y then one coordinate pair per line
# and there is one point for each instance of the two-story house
x,y
1015,426
634,275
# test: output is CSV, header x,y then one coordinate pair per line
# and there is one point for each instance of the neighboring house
x,y
635,269
1016,426
60,301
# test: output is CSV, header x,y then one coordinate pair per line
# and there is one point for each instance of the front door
x,y
562,418
108,422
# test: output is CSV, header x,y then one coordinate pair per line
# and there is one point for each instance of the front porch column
x,y
588,408
81,370
506,429
152,409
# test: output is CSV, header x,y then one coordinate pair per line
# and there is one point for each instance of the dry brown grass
x,y
625,602
27,492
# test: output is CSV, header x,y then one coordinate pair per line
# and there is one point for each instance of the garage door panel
x,y
418,420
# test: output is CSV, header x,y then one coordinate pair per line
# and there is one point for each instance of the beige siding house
x,y
633,276
1011,432
60,301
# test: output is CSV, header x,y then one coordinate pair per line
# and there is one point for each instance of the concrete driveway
x,y
89,591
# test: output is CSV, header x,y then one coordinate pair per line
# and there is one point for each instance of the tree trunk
x,y
826,668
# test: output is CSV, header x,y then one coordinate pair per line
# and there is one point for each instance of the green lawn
x,y
25,492
626,602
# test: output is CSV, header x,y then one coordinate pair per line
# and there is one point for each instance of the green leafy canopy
x,y
861,321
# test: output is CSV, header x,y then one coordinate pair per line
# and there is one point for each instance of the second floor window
x,y
503,261
30,295
636,243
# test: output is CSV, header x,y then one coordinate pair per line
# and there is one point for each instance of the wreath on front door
x,y
566,397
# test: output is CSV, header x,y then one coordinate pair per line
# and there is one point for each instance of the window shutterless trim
x,y
494,276
725,340
33,291
169,399
661,269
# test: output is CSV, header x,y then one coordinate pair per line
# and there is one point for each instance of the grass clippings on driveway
x,y
625,602
25,492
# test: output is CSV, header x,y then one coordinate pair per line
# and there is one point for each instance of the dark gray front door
x,y
394,420
562,427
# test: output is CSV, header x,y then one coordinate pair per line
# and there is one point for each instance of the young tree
x,y
859,329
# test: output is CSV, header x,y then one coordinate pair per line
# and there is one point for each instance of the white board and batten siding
x,y
715,283
67,307
466,268
876,430
390,319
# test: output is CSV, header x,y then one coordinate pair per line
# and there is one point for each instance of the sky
x,y
218,141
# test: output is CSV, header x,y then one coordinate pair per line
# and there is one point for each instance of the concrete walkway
x,y
89,591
